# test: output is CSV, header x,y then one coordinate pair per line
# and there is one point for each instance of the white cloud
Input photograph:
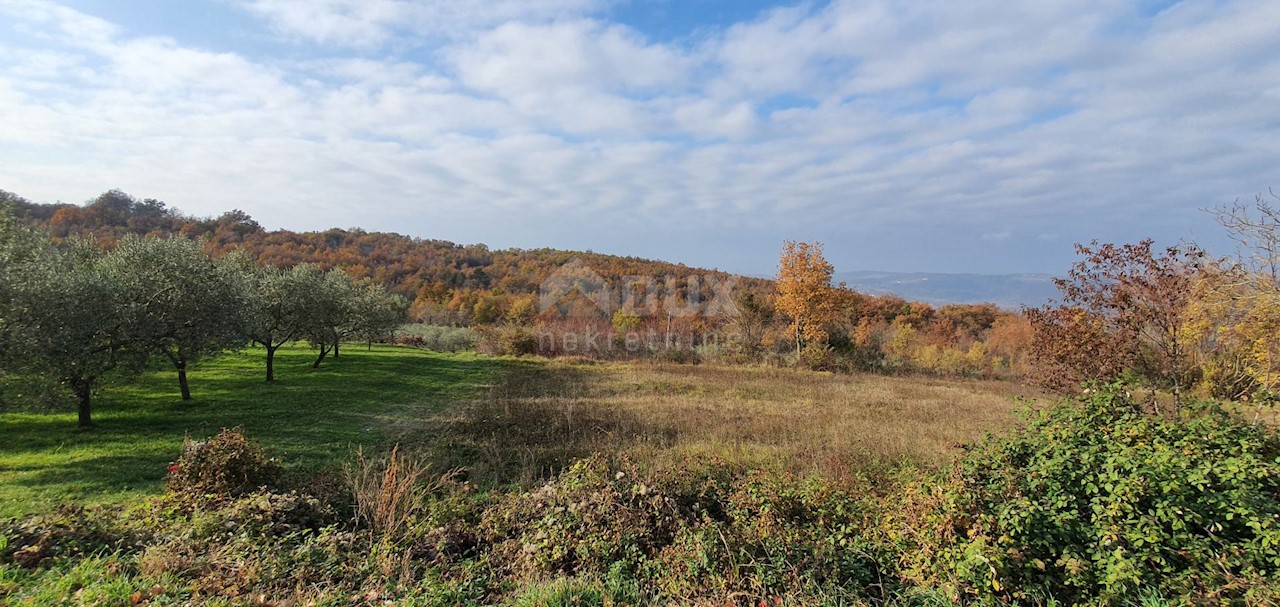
x,y
520,59
708,118
779,53
859,122
579,77
368,23
36,16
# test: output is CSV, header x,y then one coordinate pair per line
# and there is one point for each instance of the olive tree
x,y
22,250
189,306
279,306
330,308
377,313
61,314
66,318
342,309
22,253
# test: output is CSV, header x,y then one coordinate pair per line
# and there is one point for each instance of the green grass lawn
x,y
309,418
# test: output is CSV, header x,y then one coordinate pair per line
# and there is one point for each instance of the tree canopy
x,y
805,293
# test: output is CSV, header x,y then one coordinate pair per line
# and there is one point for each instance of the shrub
x,y
508,340
235,564
679,356
437,338
517,340
68,531
227,465
818,357
268,513
770,536
582,522
725,355
625,322
701,533
1092,502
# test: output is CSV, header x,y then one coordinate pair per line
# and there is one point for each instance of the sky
x,y
906,135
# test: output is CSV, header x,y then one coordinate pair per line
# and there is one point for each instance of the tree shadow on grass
x,y
536,420
308,419
97,474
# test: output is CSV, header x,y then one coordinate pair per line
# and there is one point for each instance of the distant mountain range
x,y
1009,291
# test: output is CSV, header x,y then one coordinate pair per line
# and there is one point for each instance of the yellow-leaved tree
x,y
1235,318
1235,328
805,293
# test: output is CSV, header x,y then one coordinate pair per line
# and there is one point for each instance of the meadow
x,y
400,476
310,418
506,421
540,416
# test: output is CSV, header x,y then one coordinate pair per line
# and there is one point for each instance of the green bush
x,y
518,340
583,522
227,465
771,537
1094,502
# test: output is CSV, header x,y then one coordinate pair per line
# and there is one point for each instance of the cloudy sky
x,y
942,136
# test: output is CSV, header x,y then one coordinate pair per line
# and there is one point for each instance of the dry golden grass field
x,y
540,415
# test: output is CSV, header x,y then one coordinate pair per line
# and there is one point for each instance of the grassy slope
x,y
309,418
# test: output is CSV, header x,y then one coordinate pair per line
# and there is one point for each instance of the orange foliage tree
x,y
805,293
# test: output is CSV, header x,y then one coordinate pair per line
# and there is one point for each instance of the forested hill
x,y
445,280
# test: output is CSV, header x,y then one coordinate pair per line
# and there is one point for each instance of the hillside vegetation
x,y
619,439
436,271
660,303
531,482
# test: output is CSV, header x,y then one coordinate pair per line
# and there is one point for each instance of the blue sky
x,y
915,136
